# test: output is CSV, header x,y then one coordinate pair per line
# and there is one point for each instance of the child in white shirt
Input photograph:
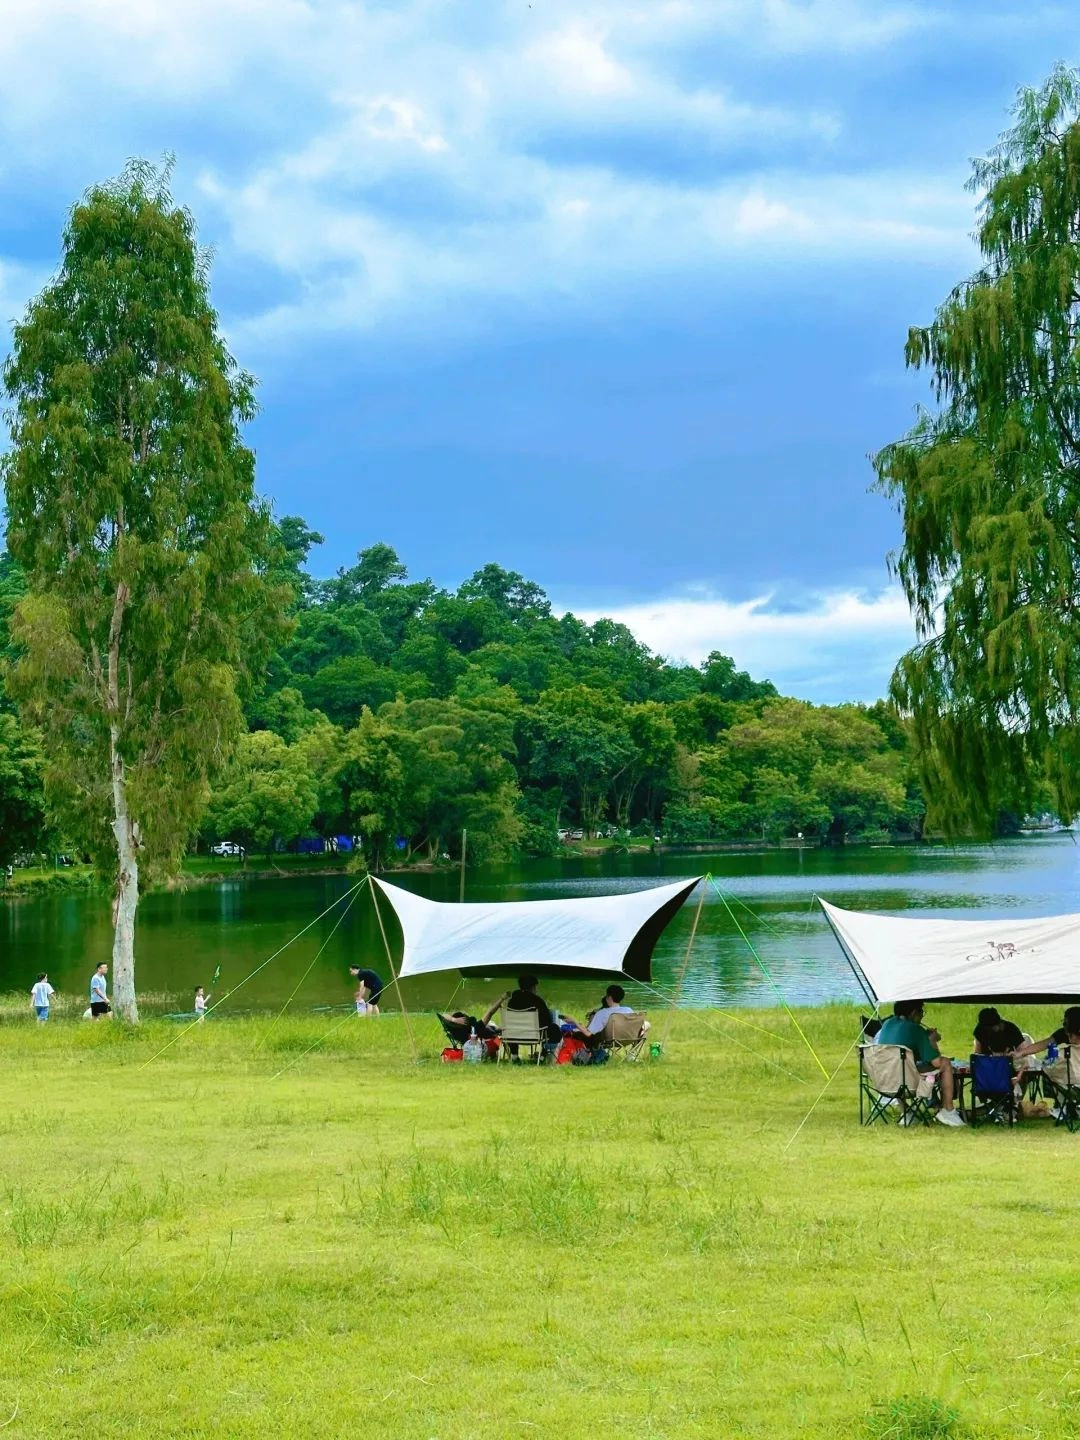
x,y
41,997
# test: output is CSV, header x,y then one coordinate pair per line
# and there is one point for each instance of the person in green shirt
x,y
904,1027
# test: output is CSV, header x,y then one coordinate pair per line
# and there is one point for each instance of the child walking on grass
x,y
200,1003
41,997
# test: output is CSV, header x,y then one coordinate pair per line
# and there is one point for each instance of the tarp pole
x,y
464,843
686,961
393,973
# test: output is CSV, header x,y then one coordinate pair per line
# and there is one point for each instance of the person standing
x,y
99,993
41,997
200,1003
369,988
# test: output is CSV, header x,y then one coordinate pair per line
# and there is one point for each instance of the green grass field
x,y
366,1246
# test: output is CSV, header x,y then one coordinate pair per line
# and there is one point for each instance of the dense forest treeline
x,y
405,713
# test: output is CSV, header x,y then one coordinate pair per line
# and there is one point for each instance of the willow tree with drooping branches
x,y
988,488
132,512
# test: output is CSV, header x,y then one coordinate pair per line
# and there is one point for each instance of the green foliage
x,y
22,797
822,771
424,770
913,1417
988,490
266,794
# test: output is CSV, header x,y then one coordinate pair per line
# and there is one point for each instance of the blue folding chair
x,y
992,1096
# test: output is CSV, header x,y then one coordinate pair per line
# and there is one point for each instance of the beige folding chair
x,y
1061,1078
521,1028
625,1035
887,1076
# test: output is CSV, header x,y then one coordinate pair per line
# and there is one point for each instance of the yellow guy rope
x,y
255,972
315,961
772,982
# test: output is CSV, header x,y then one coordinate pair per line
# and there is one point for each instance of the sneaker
x,y
908,1118
950,1117
1055,1112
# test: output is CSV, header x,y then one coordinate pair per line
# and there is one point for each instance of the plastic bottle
x,y
1051,1053
473,1049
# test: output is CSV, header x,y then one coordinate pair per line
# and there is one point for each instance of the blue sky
x,y
612,293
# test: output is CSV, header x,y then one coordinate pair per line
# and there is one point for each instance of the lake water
x,y
238,924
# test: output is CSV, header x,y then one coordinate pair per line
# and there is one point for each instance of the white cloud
x,y
405,161
575,59
837,645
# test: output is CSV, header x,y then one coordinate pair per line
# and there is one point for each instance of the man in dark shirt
x,y
370,982
526,998
995,1036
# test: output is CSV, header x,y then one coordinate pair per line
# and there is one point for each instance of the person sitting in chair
x,y
526,998
1067,1034
459,1025
904,1027
597,1021
995,1036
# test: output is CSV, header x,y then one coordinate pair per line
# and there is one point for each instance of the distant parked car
x,y
226,847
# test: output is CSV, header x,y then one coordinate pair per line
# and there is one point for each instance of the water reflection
x,y
183,936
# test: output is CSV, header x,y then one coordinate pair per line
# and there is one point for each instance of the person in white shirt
x,y
612,1004
41,997
99,997
200,1003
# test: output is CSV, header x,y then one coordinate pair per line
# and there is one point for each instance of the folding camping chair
x,y
456,1033
1061,1082
625,1035
992,1093
888,1077
521,1028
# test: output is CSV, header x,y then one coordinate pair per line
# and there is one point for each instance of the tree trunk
x,y
127,893
126,832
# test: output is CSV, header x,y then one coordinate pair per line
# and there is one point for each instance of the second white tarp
x,y
930,959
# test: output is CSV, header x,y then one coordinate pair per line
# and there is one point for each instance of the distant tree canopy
x,y
403,713
988,488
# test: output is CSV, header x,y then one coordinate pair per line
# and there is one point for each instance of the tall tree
x,y
988,488
132,513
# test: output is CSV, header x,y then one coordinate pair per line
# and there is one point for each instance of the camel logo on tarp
x,y
994,951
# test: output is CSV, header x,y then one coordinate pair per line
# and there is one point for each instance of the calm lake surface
x,y
238,924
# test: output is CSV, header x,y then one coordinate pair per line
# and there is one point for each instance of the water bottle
x,y
473,1049
1051,1053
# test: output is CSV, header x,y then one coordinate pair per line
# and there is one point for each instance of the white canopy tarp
x,y
1033,960
607,933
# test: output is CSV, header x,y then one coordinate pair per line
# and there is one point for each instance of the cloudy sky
x,y
613,293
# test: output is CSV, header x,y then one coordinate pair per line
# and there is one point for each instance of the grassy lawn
x,y
369,1247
